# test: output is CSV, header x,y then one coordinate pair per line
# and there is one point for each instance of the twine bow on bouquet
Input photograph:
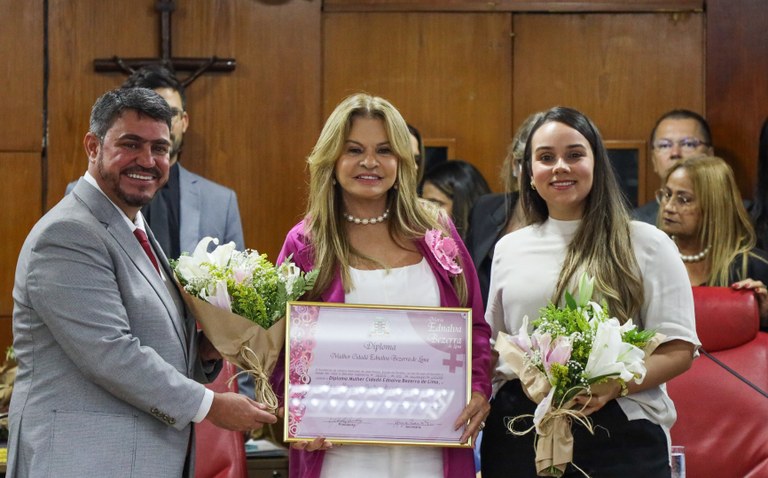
x,y
239,299
570,349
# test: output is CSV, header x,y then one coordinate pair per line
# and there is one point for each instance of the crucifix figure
x,y
197,66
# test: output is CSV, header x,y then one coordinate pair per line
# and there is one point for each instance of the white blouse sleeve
x,y
668,298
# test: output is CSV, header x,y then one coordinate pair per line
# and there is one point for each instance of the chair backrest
x,y
721,420
220,453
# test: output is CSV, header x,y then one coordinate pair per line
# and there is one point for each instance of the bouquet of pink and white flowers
x,y
239,299
570,349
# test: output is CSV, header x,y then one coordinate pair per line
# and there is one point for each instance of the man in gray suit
x,y
107,357
188,207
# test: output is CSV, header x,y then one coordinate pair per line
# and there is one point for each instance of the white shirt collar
x,y
137,224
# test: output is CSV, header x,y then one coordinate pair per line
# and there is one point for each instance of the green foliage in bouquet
x,y
573,329
244,282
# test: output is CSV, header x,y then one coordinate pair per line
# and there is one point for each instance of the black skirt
x,y
619,447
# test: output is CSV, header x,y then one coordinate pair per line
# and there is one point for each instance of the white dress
x,y
527,263
410,285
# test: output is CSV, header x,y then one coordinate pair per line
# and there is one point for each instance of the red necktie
x,y
142,237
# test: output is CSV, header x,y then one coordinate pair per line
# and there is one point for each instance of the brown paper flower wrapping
x,y
242,342
554,445
554,440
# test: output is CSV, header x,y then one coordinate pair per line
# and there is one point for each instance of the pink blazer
x,y
457,462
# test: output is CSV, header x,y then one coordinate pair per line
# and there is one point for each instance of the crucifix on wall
x,y
197,66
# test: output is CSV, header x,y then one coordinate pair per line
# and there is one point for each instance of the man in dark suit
x,y
189,207
109,363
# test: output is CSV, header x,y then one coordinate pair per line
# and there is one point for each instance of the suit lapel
x,y
184,328
106,213
189,220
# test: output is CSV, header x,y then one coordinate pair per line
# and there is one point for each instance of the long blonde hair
x,y
409,218
724,225
602,246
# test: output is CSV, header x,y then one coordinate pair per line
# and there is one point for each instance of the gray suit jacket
x,y
105,350
207,209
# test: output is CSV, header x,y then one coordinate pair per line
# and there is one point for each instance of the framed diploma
x,y
377,374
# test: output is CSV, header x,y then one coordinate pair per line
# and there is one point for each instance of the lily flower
x,y
522,339
612,357
586,286
558,351
220,297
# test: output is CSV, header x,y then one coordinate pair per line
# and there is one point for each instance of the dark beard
x,y
113,181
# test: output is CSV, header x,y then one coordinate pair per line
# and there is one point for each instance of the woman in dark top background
x,y
496,215
455,186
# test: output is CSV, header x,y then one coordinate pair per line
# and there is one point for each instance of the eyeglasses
x,y
663,196
688,145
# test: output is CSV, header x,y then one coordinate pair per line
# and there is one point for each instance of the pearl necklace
x,y
695,257
373,220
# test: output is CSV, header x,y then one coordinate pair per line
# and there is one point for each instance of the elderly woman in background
x,y
364,230
702,210
455,186
495,215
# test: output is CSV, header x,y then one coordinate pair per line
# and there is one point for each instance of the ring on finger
x,y
482,425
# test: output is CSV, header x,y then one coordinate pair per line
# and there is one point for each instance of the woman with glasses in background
x,y
700,207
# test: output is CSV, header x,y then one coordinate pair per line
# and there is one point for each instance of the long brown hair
x,y
602,246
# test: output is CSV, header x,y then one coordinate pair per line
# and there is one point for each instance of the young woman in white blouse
x,y
578,223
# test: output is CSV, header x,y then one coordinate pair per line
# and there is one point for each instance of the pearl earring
x,y
533,186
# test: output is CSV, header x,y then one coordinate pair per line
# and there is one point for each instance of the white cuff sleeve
x,y
205,406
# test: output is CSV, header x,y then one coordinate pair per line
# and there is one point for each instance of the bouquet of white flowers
x,y
571,348
239,299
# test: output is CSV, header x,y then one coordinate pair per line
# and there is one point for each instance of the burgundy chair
x,y
723,422
219,453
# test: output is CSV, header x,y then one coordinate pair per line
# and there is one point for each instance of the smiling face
x,y
131,163
680,211
562,167
367,168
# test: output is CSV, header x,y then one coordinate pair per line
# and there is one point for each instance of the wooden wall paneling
x,y
622,70
79,32
21,103
21,196
249,130
737,82
252,129
514,5
448,74
21,140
